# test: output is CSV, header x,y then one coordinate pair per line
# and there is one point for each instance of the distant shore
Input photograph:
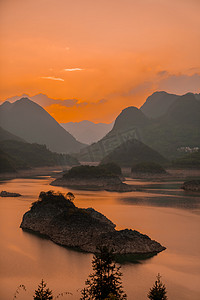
x,y
51,171
40,171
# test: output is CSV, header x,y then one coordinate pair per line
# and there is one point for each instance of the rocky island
x,y
56,217
102,177
9,194
191,185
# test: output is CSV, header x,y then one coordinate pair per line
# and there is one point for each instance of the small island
x,y
103,177
191,185
56,217
9,194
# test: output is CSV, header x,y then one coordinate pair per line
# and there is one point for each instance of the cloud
x,y
52,78
45,101
140,88
180,84
73,69
163,73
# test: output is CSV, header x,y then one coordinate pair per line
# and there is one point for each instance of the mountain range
x,y
179,126
17,154
165,123
87,132
158,103
132,152
32,123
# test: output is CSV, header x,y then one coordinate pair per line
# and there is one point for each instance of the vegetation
x,y
105,282
178,127
58,199
190,160
112,167
131,152
92,172
158,291
6,163
148,167
43,293
25,155
20,288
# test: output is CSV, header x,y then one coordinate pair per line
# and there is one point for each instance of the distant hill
x,y
178,127
7,164
185,110
128,125
32,123
6,135
157,104
130,117
41,99
190,160
132,152
22,155
87,132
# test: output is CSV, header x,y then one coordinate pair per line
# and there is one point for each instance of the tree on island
x,y
105,282
70,196
43,293
158,291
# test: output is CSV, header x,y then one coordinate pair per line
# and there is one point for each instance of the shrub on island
x,y
106,170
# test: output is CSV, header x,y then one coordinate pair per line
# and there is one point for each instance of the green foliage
x,y
148,167
43,293
112,167
26,155
58,199
158,291
190,160
89,172
131,152
166,137
6,163
105,282
70,196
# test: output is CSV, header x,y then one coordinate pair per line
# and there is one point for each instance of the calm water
x,y
162,211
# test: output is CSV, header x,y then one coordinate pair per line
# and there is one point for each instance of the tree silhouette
x,y
158,291
105,282
43,293
70,196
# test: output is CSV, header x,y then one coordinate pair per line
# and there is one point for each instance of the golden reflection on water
x,y
173,220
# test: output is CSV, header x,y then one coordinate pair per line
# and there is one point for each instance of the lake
x,y
161,210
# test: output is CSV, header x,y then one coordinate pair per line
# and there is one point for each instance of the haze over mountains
x,y
158,103
165,123
86,131
179,126
32,123
132,152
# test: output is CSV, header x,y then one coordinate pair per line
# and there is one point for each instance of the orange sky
x,y
106,54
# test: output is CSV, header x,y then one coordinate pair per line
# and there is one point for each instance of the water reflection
x,y
161,211
162,194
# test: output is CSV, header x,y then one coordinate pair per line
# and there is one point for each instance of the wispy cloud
x,y
73,69
52,78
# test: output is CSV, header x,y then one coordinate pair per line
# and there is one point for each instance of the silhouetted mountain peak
x,y
185,110
6,105
133,151
25,101
130,117
31,122
157,104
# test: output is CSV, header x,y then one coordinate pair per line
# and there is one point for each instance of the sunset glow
x,y
105,54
